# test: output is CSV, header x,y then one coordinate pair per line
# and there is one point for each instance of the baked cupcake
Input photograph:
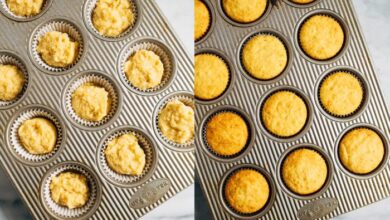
x,y
125,156
25,8
247,191
341,93
264,57
361,151
11,82
302,2
57,49
144,69
112,17
284,114
91,102
304,171
321,37
211,76
227,133
244,11
69,189
202,19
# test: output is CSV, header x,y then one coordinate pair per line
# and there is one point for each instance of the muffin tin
x,y
343,191
80,143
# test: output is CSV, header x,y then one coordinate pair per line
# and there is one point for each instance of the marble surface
x,y
181,206
374,17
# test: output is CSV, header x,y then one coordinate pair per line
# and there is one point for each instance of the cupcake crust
x,y
244,11
202,19
247,191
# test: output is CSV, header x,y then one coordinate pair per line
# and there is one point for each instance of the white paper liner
x,y
64,212
188,101
97,79
10,14
63,26
6,58
88,13
162,51
131,180
16,145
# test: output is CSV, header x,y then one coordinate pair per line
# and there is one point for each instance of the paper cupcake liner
x,y
380,167
159,48
122,180
7,12
211,22
12,59
363,85
61,25
62,212
89,7
15,144
325,186
329,14
244,150
188,100
309,117
101,80
266,32
229,64
237,213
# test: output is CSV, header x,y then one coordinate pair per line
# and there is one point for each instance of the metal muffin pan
x,y
168,173
342,192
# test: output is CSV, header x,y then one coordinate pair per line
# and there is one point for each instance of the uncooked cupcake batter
x,y
25,8
11,82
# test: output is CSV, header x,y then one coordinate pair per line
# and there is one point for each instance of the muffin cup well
x,y
9,14
158,47
101,79
60,212
147,144
9,57
298,5
240,24
211,10
209,151
232,74
271,32
363,84
88,9
63,25
309,119
381,166
188,99
329,178
13,141
333,15
231,210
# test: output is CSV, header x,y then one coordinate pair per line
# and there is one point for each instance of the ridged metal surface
x,y
351,193
81,145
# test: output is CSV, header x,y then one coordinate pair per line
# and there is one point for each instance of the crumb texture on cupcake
x,y
211,76
11,82
57,49
69,189
202,19
176,121
38,135
304,171
264,57
144,69
112,17
244,11
341,93
125,156
302,1
361,150
247,191
227,133
25,8
321,37
284,114
91,102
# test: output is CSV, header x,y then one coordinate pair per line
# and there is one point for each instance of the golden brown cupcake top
x,y
244,11
303,2
202,19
